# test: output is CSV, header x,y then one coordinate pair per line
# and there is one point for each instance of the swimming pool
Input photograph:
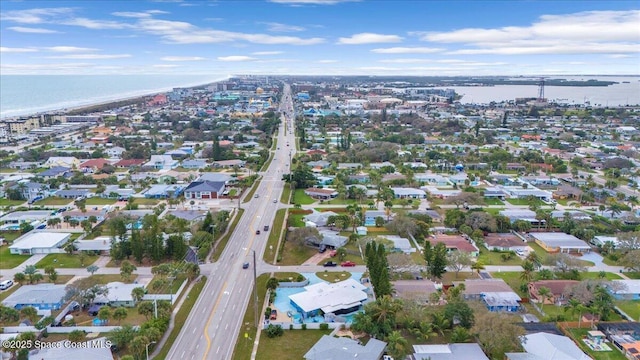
x,y
283,304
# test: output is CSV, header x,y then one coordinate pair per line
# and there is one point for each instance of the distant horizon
x,y
343,75
320,37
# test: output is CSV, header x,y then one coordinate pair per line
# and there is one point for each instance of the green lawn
x,y
296,343
333,276
8,260
492,211
145,201
494,258
295,255
614,354
632,308
66,261
105,279
52,200
524,202
512,278
299,197
100,201
274,235
295,220
251,192
337,201
181,316
493,201
5,294
7,202
595,275
175,285
244,346
633,275
286,195
9,236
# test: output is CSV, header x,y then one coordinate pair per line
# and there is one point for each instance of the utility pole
x,y
255,289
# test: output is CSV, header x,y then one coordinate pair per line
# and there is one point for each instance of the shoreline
x,y
74,109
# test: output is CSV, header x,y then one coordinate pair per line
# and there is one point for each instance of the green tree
x,y
436,258
120,314
104,313
92,269
30,313
32,273
272,284
19,278
497,334
77,336
138,293
397,345
52,273
545,294
126,269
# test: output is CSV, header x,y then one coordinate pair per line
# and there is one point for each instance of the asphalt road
x,y
212,327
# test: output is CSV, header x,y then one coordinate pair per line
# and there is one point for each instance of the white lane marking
x,y
182,355
194,331
226,327
217,351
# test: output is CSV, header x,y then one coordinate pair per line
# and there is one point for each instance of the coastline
x,y
108,100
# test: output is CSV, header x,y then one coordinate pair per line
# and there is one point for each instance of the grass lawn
x,y
7,202
614,354
52,200
608,261
181,317
293,254
493,201
494,258
9,236
450,276
133,318
274,236
286,195
177,282
105,279
595,275
337,201
286,276
296,343
233,192
512,278
524,202
100,201
299,197
222,242
244,346
5,293
295,220
630,307
145,201
492,211
633,275
8,260
65,261
333,276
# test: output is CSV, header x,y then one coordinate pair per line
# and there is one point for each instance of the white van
x,y
6,284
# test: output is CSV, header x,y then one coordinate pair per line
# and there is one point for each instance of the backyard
x,y
631,308
100,201
293,254
495,258
8,260
578,334
66,261
296,343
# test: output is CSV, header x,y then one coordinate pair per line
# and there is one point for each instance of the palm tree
x,y
397,345
545,294
527,272
575,306
478,265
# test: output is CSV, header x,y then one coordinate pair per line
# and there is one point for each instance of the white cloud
x,y
131,14
368,38
90,56
407,50
182,58
278,27
266,53
236,58
66,49
96,24
34,16
16,50
620,56
327,61
579,33
165,66
456,62
311,2
29,30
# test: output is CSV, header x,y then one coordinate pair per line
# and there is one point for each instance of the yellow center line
x,y
206,332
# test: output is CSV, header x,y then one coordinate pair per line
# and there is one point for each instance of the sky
x,y
320,37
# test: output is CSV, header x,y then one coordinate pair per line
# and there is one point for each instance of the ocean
x,y
29,94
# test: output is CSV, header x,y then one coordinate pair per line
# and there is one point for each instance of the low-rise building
x,y
462,351
40,296
204,190
343,297
38,242
340,348
554,242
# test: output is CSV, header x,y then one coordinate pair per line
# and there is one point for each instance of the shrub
x,y
274,331
324,326
304,326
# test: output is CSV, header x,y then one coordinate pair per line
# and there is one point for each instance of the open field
x,y
66,261
333,276
293,254
632,308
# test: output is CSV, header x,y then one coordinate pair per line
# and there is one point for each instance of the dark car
x,y
266,228
257,232
330,264
245,265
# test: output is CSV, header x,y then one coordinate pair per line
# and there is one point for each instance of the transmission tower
x,y
541,90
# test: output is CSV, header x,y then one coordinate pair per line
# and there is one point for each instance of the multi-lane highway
x,y
211,329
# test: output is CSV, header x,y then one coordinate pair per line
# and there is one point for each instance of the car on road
x,y
257,196
266,228
275,201
257,232
330,264
348,264
245,265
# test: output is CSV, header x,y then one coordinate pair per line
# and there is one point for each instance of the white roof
x,y
330,297
40,240
553,347
95,349
36,294
407,191
26,215
560,239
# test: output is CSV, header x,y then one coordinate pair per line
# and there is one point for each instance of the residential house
x,y
194,164
94,349
93,165
62,161
504,301
473,288
38,242
18,217
320,164
161,162
119,294
623,335
554,242
339,298
400,244
129,163
459,179
349,166
457,351
545,346
31,190
40,296
72,193
192,216
431,179
415,290
85,215
332,239
323,194
204,190
317,218
625,289
455,243
115,191
340,348
215,177
408,193
229,163
371,215
380,165
115,152
504,242
54,172
558,289
359,178
163,191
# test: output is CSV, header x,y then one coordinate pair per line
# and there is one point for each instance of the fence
x,y
294,284
310,326
61,329
170,297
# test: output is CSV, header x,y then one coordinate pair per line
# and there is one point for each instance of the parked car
x,y
348,264
6,284
245,265
330,264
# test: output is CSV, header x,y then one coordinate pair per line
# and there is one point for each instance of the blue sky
x,y
315,37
